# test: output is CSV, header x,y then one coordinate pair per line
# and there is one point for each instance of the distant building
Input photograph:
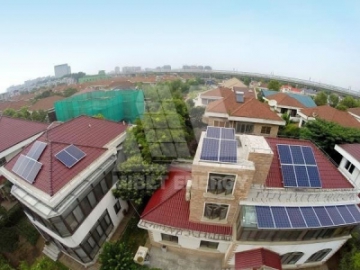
x,y
62,70
117,70
166,67
130,69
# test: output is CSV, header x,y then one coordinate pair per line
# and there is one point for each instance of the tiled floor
x,y
175,261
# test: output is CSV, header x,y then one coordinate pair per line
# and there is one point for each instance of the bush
x,y
8,239
28,231
15,214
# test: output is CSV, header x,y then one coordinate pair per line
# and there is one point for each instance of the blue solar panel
x,y
228,133
288,175
302,178
354,212
228,151
308,155
345,214
264,217
66,158
27,168
213,132
36,150
210,149
310,217
296,218
314,177
75,152
335,215
280,217
323,216
284,154
297,155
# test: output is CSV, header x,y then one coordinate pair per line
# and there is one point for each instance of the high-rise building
x,y
62,70
117,70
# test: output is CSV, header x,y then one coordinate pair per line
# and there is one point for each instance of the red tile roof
x,y
329,113
352,149
16,105
45,103
256,258
218,92
14,131
329,174
355,111
285,100
168,206
250,108
87,133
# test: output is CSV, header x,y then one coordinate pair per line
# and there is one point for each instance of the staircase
x,y
52,251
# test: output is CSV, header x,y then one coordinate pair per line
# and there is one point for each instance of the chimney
x,y
239,96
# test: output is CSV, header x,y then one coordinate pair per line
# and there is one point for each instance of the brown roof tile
x,y
285,100
45,103
355,111
331,114
16,105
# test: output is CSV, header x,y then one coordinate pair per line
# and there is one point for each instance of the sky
x,y
296,38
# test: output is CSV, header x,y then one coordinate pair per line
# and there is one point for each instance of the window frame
x,y
319,255
209,244
265,130
291,257
117,207
224,192
169,238
217,216
349,166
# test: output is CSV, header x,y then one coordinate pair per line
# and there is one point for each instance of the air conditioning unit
x,y
188,190
141,255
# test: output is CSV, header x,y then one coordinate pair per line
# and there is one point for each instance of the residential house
x,y
242,111
246,193
15,105
64,180
350,162
232,82
289,89
328,113
355,112
288,103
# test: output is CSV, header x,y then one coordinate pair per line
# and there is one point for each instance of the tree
x,y
44,94
43,263
8,239
350,254
138,179
23,113
333,100
274,85
349,102
116,255
246,81
341,107
326,134
69,91
321,99
196,115
9,112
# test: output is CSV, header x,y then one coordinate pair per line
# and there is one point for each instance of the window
x,y
220,123
349,167
117,207
2,161
291,257
319,256
221,183
215,211
170,238
265,130
244,128
207,244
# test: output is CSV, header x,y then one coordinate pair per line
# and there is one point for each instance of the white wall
x,y
307,249
190,242
107,202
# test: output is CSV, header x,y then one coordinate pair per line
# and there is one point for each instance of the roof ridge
x,y
22,119
157,206
82,145
51,189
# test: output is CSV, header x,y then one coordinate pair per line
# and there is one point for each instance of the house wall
x,y
308,248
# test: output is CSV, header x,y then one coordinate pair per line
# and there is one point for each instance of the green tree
x,y
9,112
117,256
8,239
44,94
326,134
321,98
43,263
350,254
246,81
69,92
349,102
138,179
4,264
23,113
274,85
341,107
99,116
333,100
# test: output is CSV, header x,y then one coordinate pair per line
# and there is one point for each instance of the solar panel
x,y
228,133
210,149
27,168
314,176
213,132
284,154
308,155
310,217
280,217
346,215
36,150
323,216
70,155
302,178
296,218
228,151
288,174
264,217
296,154
354,212
335,215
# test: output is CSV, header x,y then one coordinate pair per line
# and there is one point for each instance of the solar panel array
x,y
219,145
298,166
306,217
70,155
27,168
36,150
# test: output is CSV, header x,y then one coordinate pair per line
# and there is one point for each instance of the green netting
x,y
116,105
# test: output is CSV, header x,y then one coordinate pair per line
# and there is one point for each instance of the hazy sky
x,y
298,38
